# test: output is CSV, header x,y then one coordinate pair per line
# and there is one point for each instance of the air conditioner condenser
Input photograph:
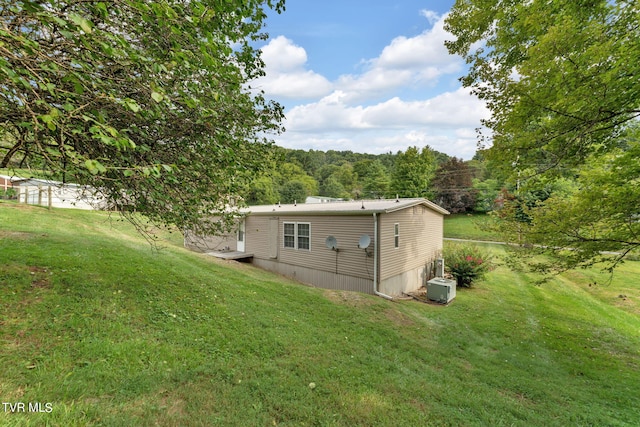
x,y
441,290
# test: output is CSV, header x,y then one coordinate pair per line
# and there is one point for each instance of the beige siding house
x,y
384,247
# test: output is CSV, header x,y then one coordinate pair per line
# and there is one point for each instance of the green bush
x,y
467,263
9,193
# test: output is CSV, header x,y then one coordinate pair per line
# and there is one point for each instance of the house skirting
x,y
318,278
398,285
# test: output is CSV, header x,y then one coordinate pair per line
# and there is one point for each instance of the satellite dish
x,y
364,242
331,243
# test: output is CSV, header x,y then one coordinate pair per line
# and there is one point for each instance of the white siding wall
x,y
402,269
349,260
210,243
223,242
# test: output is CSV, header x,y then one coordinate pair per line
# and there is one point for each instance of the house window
x,y
297,235
396,235
304,236
289,235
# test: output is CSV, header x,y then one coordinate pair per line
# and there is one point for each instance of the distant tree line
x,y
457,185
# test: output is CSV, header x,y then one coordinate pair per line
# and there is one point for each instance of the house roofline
x,y
423,202
334,208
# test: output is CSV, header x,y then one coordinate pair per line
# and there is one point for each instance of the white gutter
x,y
375,259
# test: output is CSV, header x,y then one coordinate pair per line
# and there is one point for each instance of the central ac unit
x,y
441,290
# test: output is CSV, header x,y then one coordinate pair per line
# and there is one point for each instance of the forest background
x,y
457,185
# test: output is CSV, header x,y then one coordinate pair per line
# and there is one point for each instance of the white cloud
x,y
331,113
417,61
374,82
431,16
445,122
282,55
415,52
286,74
449,109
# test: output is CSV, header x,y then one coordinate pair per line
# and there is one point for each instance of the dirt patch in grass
x,y
399,318
174,406
354,299
29,300
625,302
24,206
349,298
10,392
40,277
519,397
15,235
25,339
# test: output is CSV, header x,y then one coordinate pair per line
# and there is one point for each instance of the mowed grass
x,y
467,226
111,332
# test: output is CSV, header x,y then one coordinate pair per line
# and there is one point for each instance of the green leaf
x,y
81,22
106,48
77,87
156,96
132,105
102,8
94,166
61,22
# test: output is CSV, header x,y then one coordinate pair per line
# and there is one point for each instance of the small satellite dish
x,y
364,242
331,243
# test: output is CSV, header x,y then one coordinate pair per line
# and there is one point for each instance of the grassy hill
x,y
467,226
102,330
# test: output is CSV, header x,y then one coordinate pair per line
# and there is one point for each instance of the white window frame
x,y
296,236
396,235
307,237
285,235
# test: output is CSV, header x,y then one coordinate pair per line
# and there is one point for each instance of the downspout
x,y
376,254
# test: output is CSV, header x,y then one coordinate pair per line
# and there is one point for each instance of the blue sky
x,y
369,76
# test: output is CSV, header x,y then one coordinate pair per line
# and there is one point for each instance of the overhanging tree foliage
x,y
561,81
147,101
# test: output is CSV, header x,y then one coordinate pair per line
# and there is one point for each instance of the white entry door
x,y
241,237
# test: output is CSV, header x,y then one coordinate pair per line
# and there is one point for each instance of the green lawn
x,y
110,332
464,226
26,173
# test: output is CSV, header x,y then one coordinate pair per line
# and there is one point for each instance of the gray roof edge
x,y
425,202
316,213
315,209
